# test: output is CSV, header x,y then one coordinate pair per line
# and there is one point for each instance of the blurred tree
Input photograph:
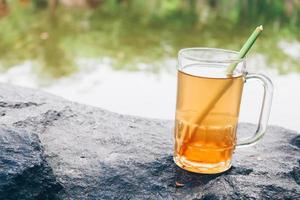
x,y
3,8
134,30
38,3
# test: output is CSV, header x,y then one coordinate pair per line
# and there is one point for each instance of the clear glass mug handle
x,y
265,109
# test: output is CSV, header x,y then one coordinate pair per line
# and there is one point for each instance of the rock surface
x,y
24,173
51,148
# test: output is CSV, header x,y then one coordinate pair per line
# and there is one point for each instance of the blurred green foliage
x,y
137,31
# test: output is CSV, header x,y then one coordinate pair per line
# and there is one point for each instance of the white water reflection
x,y
154,95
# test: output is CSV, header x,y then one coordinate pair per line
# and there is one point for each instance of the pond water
x,y
138,43
154,94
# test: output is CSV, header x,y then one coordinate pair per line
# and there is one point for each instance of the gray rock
x,y
97,154
24,173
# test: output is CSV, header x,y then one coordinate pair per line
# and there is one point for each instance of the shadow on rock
x,y
37,182
295,141
158,180
24,172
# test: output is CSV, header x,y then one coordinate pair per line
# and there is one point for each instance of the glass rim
x,y
195,58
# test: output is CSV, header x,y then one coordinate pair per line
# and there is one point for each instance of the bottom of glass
x,y
202,168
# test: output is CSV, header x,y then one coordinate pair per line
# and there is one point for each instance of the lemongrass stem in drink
x,y
188,133
246,47
212,141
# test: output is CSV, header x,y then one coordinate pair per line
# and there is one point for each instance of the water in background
x,y
121,55
154,95
137,35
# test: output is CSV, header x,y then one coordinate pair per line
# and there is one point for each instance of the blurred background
x,y
120,55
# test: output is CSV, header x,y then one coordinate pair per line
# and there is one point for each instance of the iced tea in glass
x,y
207,109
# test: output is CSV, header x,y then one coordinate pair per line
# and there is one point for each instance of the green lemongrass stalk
x,y
244,50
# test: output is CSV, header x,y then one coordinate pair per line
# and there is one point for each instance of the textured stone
x,y
24,173
97,154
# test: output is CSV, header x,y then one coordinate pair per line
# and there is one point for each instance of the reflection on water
x,y
67,53
154,95
134,32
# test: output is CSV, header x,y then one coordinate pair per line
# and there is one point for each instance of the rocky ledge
x,y
51,148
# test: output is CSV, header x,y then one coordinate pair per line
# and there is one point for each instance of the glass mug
x,y
207,109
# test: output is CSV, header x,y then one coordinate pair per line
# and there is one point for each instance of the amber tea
x,y
207,109
212,141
